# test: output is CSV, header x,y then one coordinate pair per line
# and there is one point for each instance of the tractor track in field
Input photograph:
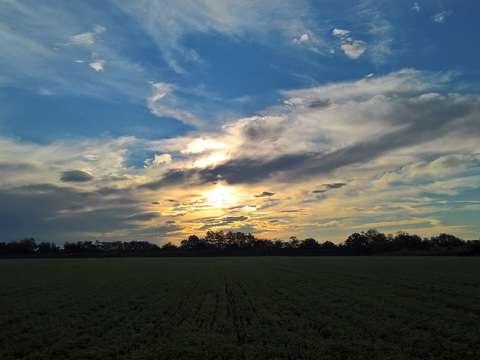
x,y
215,311
233,313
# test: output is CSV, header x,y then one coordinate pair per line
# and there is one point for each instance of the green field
x,y
241,308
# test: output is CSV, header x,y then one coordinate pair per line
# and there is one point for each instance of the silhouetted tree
x,y
404,240
193,243
309,244
357,243
25,246
46,248
169,246
328,245
446,240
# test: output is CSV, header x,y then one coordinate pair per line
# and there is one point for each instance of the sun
x,y
220,196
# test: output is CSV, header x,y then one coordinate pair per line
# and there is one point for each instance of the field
x,y
241,308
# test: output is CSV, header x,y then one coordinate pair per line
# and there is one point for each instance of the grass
x,y
240,308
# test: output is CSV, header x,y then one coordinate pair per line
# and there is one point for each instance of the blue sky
x,y
152,120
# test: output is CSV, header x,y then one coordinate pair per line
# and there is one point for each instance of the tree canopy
x,y
220,243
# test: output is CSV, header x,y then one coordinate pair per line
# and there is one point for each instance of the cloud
x,y
319,103
391,138
258,128
57,42
293,101
335,185
76,176
198,146
221,222
158,160
87,38
366,120
302,39
416,7
164,103
146,216
355,49
98,65
246,20
352,48
264,194
340,33
442,167
439,18
51,213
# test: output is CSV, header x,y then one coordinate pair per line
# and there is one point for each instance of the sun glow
x,y
211,160
220,196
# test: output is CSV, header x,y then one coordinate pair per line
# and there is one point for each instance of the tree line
x,y
220,243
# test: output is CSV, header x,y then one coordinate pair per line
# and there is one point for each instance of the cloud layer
x,y
384,148
156,119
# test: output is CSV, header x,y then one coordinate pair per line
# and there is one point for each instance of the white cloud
x,y
158,160
162,159
400,82
352,48
355,49
440,169
87,38
98,65
303,38
199,146
101,158
83,39
340,33
293,101
416,7
164,103
440,17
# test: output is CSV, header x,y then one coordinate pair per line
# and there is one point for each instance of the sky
x,y
152,120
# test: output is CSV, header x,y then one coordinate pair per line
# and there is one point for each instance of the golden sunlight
x,y
211,160
220,196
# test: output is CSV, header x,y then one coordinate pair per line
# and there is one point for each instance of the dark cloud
x,y
155,203
329,187
319,103
335,185
212,222
106,191
156,231
241,170
16,168
263,194
231,219
262,129
143,216
172,177
415,122
76,176
49,213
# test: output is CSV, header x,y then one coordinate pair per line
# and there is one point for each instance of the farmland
x,y
240,308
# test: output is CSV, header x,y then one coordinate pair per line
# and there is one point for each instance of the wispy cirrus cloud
x,y
440,17
87,38
247,19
